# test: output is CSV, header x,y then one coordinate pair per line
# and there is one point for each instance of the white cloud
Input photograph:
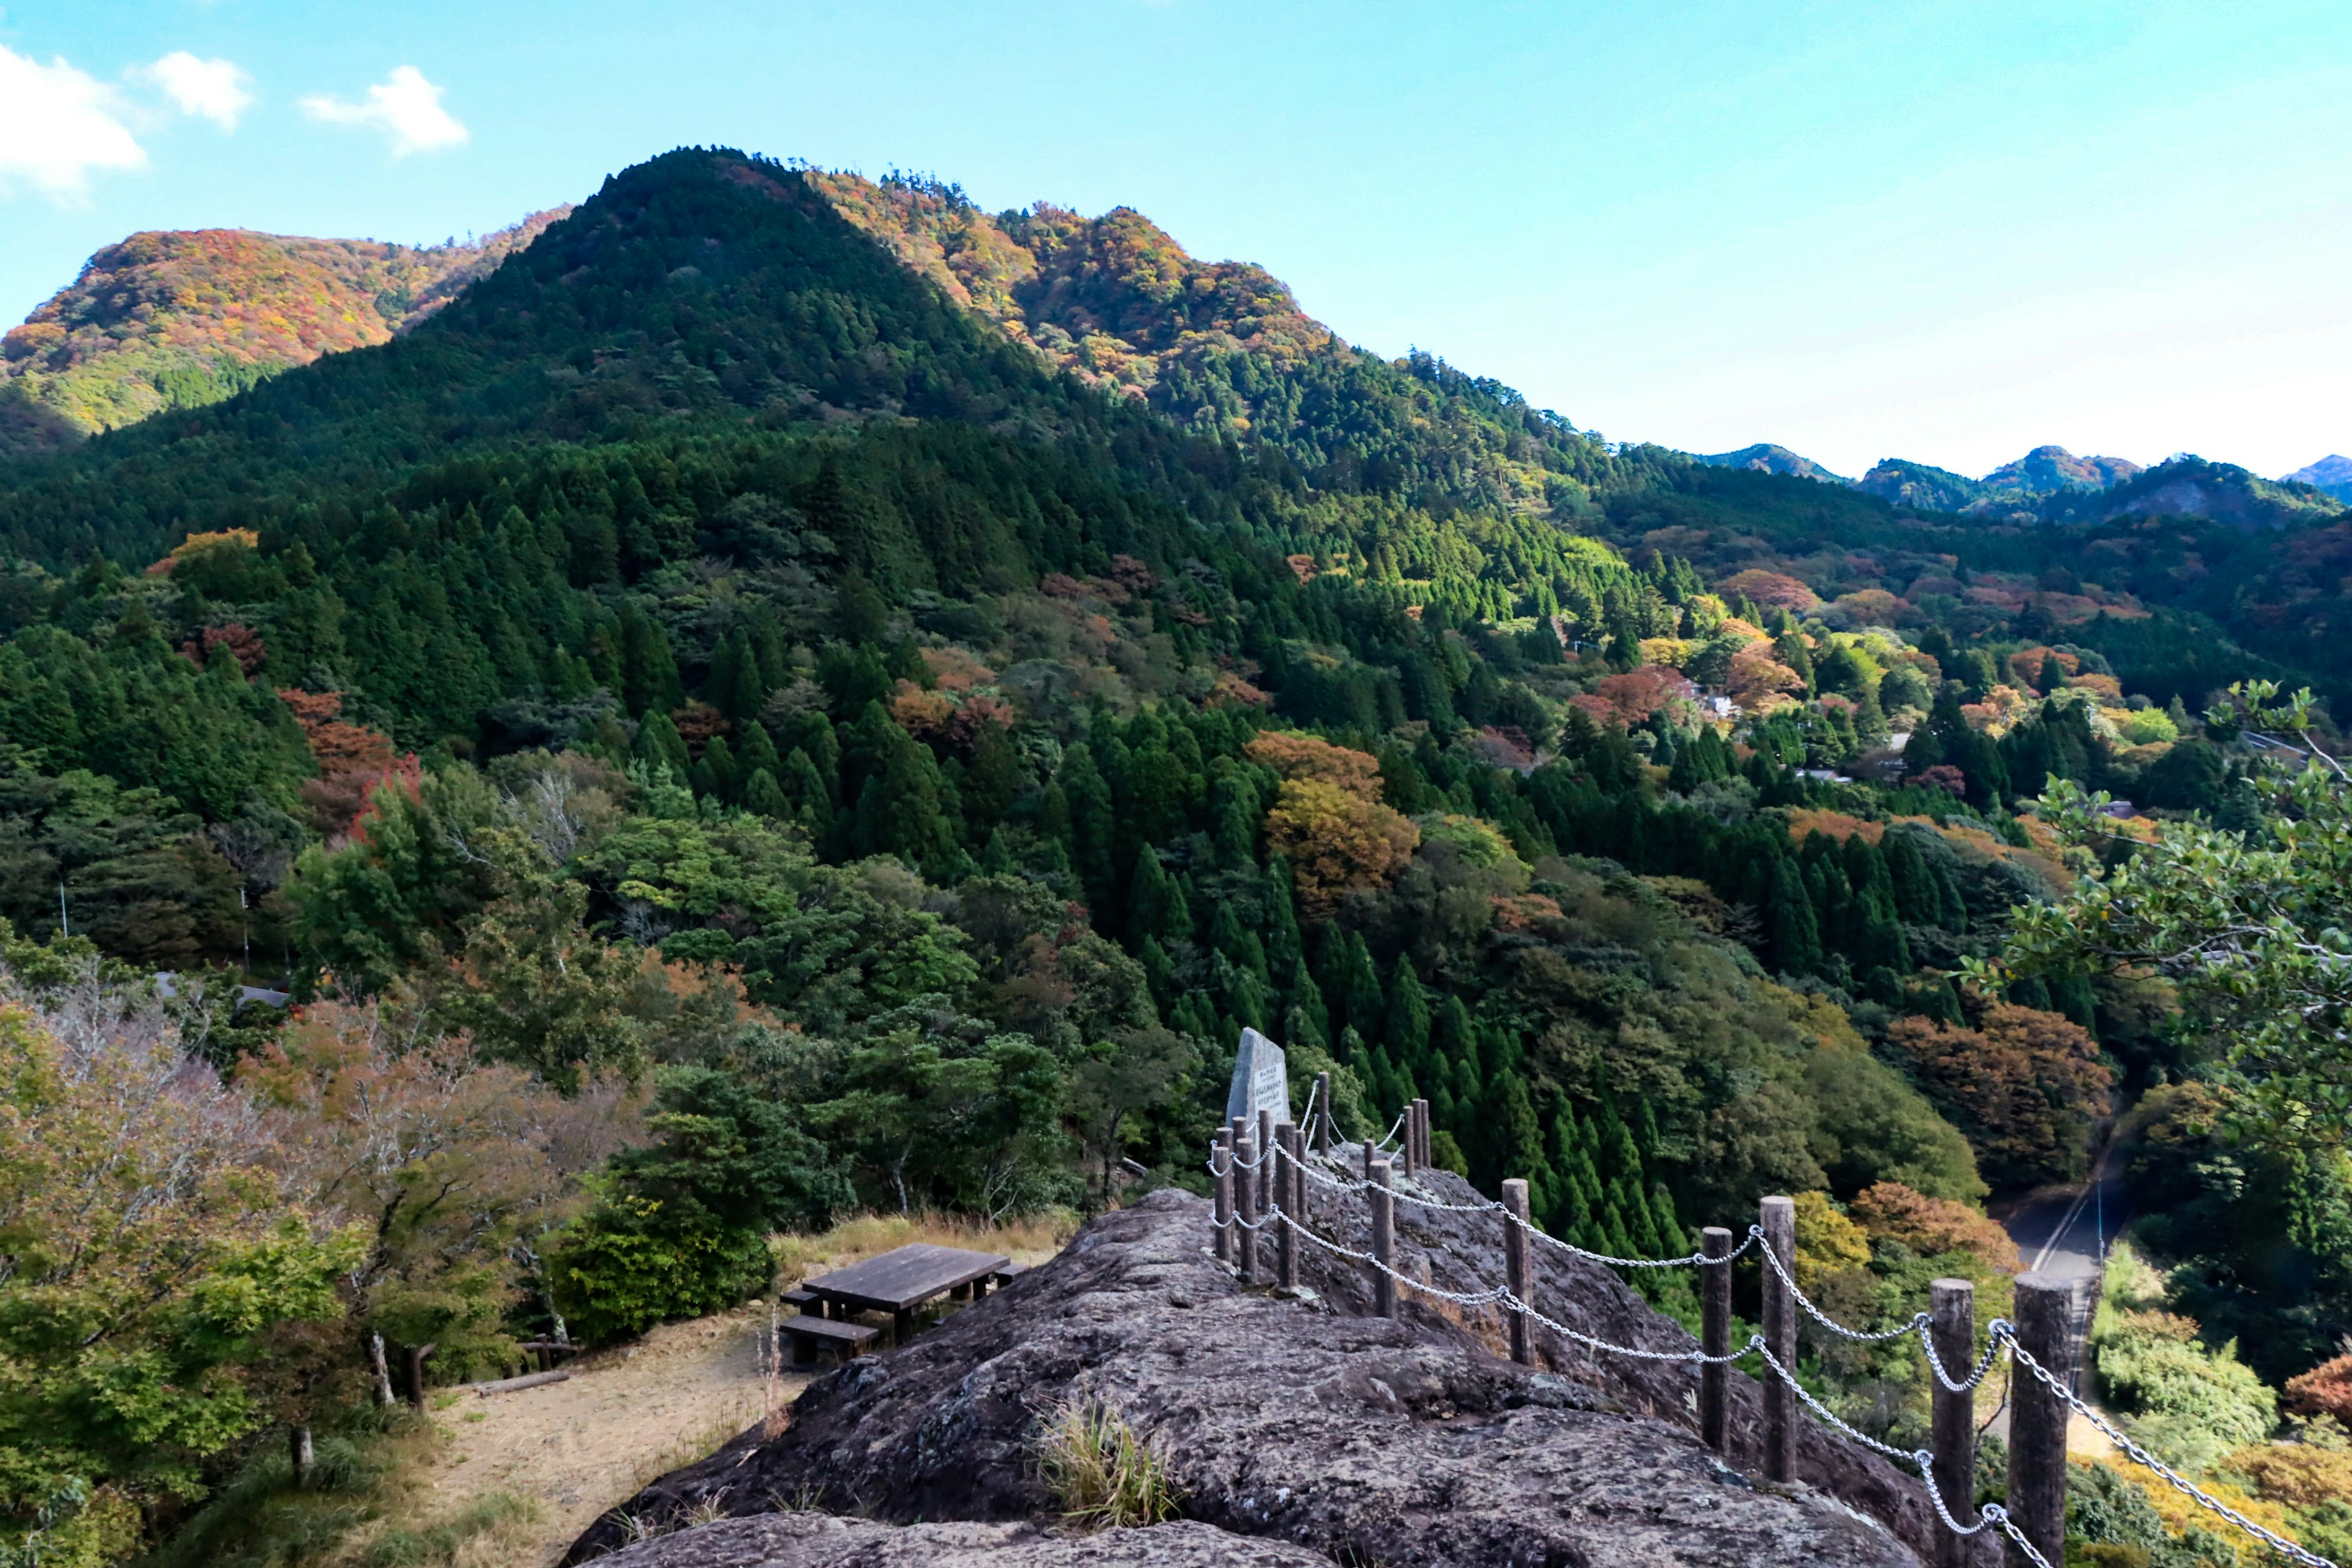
x,y
57,124
216,90
404,105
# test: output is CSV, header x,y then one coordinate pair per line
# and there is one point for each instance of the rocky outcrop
x,y
823,1541
1306,1420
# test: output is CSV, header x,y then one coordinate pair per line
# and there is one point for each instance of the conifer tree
x,y
1518,1143
809,795
714,773
734,686
755,751
1407,1014
1155,904
1789,921
1367,1007
657,746
1309,1021
765,797
1284,964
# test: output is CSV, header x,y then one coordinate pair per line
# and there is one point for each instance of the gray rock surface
x,y
1404,1441
824,1541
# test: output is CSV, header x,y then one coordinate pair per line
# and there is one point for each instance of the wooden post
x,y
1383,1239
1220,1164
1265,1198
1287,1185
1779,1219
2037,1415
1952,1317
1515,1247
1322,1113
1715,1338
1408,1142
1421,1134
1245,1209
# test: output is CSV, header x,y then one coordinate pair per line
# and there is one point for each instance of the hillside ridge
x,y
170,319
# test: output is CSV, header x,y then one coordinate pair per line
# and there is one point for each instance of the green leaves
x,y
2255,929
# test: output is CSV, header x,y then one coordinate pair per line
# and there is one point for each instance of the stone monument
x,y
1261,1081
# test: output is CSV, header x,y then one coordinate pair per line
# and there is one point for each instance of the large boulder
x,y
824,1541
1306,1419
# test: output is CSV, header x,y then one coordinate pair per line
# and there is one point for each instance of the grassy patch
x,y
1102,1472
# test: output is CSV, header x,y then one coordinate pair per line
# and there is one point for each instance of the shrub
x,y
1101,1471
2189,1403
2325,1390
624,1269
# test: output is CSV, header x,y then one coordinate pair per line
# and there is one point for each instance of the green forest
x,y
715,734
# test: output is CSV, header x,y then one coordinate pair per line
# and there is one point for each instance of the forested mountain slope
x,y
743,652
177,319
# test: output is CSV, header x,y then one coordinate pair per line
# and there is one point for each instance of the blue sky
x,y
1943,231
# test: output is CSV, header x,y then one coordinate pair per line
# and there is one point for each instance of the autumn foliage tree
x,y
2024,1086
1327,821
147,1245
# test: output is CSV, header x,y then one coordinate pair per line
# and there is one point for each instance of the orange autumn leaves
x,y
2023,1084
1327,821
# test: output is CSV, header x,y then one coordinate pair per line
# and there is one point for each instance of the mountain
x,y
1223,349
1922,485
170,319
2019,487
1766,458
2046,469
2332,474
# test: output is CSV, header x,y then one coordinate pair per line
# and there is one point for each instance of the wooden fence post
x,y
2037,1415
1409,1145
1265,1198
1245,1209
1221,1165
1779,1215
1515,1247
1322,1113
1421,1134
1715,1338
1952,1318
1291,1184
1383,1239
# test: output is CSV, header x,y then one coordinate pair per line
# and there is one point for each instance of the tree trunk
x,y
416,1374
298,1445
382,1372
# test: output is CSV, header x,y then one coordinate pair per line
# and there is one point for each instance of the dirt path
x,y
574,1449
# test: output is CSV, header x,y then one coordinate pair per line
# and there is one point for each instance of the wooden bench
x,y
809,1334
801,1300
1008,1274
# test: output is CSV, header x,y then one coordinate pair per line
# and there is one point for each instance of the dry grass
x,y
868,1235
1102,1472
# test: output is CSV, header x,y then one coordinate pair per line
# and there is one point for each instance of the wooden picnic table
x,y
901,1281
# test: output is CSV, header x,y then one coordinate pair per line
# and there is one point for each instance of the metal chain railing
x,y
2001,1340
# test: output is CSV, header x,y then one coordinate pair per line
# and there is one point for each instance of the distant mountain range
x,y
172,319
2050,484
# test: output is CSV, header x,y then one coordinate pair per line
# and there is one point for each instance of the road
x,y
2065,1231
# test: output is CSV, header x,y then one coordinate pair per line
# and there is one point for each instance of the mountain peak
x,y
2332,473
2053,467
178,318
1764,456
